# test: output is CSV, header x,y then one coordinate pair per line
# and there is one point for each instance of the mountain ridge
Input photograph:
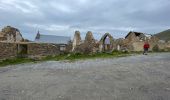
x,y
164,35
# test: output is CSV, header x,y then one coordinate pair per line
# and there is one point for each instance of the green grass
x,y
70,57
78,56
14,61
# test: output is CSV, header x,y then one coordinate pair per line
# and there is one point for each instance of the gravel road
x,y
138,77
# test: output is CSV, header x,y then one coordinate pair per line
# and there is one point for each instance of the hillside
x,y
165,35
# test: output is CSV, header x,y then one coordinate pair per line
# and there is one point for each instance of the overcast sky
x,y
63,17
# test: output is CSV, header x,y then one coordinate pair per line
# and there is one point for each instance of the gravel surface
x,y
137,77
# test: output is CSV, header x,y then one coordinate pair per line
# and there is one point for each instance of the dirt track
x,y
129,78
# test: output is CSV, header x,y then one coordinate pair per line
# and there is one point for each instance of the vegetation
x,y
165,35
70,57
78,56
14,61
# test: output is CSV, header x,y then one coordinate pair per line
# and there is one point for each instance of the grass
x,y
79,56
70,57
14,61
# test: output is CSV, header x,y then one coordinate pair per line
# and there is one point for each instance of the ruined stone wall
x,y
69,47
35,49
8,50
76,40
167,48
162,46
88,46
11,50
137,46
102,45
11,34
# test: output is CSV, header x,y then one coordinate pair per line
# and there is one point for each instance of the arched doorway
x,y
106,43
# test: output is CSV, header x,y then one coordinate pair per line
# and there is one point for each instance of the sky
x,y
64,17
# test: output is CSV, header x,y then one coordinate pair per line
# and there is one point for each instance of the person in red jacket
x,y
146,47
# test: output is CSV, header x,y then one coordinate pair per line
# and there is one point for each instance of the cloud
x,y
63,17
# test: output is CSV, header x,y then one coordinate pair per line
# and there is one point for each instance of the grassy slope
x,y
165,35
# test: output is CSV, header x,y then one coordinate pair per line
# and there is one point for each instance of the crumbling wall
x,y
88,46
11,34
102,43
167,48
8,50
161,47
137,46
42,49
76,40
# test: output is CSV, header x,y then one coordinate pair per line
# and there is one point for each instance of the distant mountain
x,y
165,35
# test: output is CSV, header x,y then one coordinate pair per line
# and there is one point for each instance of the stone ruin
x,y
12,44
87,46
10,34
90,45
76,40
134,41
106,43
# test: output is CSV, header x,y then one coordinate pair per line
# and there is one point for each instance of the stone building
x,y
134,41
44,45
63,41
10,34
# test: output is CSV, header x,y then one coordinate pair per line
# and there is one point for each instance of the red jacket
x,y
146,45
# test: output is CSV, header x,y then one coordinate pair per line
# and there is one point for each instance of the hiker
x,y
146,48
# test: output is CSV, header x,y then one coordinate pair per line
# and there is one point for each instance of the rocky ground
x,y
128,78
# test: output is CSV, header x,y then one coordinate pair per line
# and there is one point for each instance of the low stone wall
x,y
38,49
8,50
31,50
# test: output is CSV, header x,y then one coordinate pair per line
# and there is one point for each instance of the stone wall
x,y
35,49
88,46
8,50
10,34
31,50
167,48
76,40
137,46
102,45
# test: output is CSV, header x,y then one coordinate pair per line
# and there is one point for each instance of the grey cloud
x,y
63,17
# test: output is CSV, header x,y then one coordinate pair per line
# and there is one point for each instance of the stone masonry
x,y
8,50
37,49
